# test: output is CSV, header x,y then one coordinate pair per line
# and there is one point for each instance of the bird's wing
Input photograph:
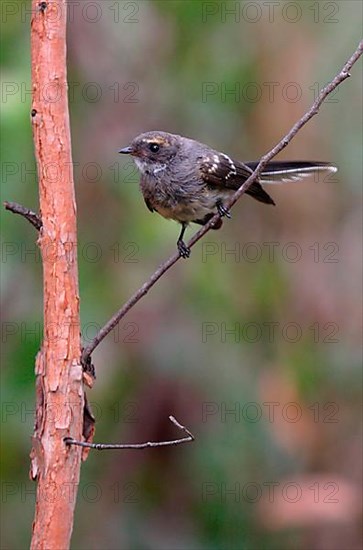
x,y
220,171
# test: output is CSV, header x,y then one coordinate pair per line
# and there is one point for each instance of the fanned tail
x,y
290,171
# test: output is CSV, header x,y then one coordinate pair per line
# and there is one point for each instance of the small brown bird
x,y
187,181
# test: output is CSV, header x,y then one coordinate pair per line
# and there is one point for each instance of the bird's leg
x,y
184,250
222,210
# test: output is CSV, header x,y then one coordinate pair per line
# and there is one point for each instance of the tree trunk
x,y
59,388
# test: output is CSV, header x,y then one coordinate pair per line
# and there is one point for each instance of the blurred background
x,y
254,343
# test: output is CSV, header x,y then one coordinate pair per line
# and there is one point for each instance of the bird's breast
x,y
184,203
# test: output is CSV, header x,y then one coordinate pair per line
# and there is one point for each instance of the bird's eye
x,y
154,147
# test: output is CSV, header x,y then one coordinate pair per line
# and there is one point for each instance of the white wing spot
x,y
233,170
213,168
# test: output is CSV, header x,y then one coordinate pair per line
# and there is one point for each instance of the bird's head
x,y
152,151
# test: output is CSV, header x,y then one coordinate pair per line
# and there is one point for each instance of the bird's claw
x,y
184,250
222,210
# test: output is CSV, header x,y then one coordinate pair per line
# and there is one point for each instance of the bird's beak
x,y
126,151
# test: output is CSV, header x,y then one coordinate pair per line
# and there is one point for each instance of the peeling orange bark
x,y
59,389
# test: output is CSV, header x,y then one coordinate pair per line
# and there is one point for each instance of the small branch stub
x,y
29,215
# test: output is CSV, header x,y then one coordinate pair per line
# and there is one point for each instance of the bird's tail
x,y
282,171
286,172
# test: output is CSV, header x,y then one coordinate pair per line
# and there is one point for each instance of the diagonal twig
x,y
106,446
342,75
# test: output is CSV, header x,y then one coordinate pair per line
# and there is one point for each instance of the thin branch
x,y
144,289
107,446
29,215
